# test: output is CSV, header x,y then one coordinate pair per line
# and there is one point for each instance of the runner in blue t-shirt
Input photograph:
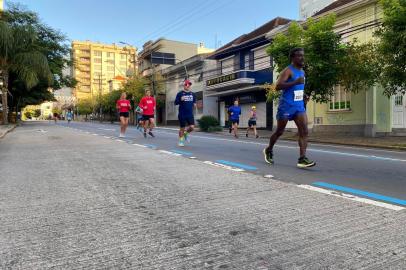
x,y
235,112
292,107
69,116
186,100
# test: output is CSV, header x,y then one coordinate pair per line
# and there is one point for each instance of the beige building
x,y
1,5
96,64
169,52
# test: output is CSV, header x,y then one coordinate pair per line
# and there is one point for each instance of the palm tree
x,y
19,55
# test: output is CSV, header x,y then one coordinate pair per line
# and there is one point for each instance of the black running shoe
x,y
229,130
246,135
145,134
304,162
268,155
151,134
257,136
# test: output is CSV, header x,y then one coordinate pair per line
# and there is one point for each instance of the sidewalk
x,y
388,142
4,129
109,205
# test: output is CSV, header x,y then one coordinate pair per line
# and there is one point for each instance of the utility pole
x,y
100,95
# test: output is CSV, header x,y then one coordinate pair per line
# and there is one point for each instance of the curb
x,y
400,148
7,131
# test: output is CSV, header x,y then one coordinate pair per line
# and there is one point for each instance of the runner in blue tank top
x,y
292,107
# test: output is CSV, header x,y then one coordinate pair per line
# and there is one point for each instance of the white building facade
x,y
309,7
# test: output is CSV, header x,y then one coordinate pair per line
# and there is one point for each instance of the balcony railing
x,y
239,78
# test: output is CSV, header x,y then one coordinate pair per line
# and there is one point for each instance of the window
x,y
97,74
123,63
340,101
97,67
110,76
110,68
97,53
123,56
399,100
97,60
227,65
110,55
247,61
111,62
261,59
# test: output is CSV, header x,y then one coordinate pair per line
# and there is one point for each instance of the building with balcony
x,y
242,68
96,64
162,53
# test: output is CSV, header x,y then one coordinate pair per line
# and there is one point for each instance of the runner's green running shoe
x,y
181,141
268,155
186,136
304,162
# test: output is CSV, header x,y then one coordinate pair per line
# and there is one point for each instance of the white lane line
x,y
140,145
192,157
223,166
107,137
170,153
94,134
352,197
108,129
118,140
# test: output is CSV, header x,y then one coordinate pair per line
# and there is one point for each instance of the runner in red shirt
x,y
147,105
123,106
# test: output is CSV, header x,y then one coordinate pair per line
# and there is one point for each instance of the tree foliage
x,y
328,62
85,106
392,46
33,56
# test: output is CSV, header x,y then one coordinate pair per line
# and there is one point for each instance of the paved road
x,y
74,200
380,172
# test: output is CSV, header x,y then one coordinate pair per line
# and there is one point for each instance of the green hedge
x,y
208,123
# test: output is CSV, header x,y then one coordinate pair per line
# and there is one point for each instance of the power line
x,y
195,10
195,18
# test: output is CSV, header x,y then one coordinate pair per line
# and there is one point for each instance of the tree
x,y
328,61
85,106
20,58
45,41
37,113
392,46
135,87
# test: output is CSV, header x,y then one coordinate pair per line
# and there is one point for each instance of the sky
x,y
137,21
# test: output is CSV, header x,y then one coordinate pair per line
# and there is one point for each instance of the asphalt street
x,y
368,171
79,198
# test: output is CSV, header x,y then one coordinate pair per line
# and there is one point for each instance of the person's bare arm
x,y
282,82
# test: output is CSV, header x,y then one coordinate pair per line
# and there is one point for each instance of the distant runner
x,y
292,107
69,116
148,105
140,122
187,102
123,105
235,112
252,122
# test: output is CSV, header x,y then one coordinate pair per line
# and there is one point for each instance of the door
x,y
222,113
399,111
